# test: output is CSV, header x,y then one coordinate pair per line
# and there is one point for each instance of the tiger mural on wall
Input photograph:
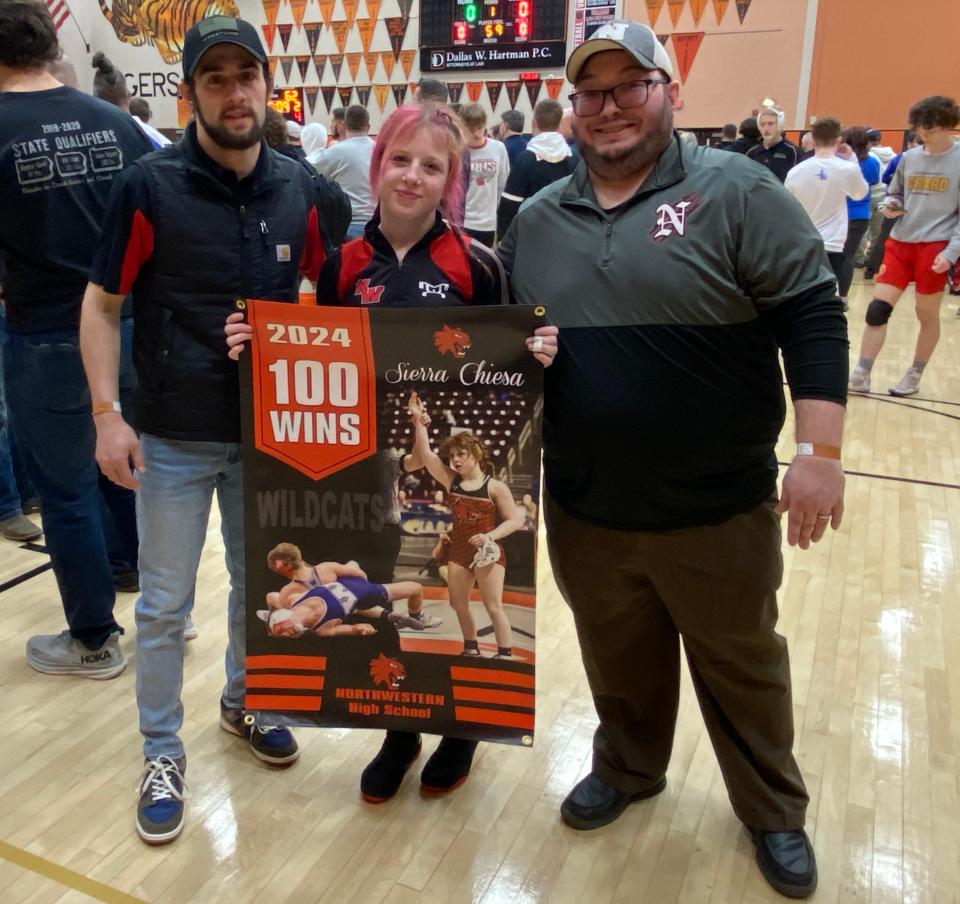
x,y
162,23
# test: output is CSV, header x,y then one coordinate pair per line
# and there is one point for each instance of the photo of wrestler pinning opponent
x,y
319,598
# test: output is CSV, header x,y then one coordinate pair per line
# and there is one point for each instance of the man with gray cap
x,y
189,230
678,272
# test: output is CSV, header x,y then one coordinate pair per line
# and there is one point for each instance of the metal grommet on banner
x,y
527,741
249,720
539,310
240,304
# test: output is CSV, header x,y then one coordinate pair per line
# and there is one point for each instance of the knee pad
x,y
878,312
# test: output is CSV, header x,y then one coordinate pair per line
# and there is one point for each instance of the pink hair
x,y
401,124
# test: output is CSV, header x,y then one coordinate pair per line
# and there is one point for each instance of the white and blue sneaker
x,y
272,744
160,808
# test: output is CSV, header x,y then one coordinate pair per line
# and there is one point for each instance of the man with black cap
x,y
190,230
678,273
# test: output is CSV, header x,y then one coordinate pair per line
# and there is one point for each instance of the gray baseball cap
x,y
636,39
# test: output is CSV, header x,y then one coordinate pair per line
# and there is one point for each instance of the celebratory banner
x,y
363,94
455,90
676,8
696,8
553,87
370,59
685,46
720,9
473,90
320,63
328,91
533,86
303,63
353,64
373,10
336,64
285,31
513,92
387,60
742,7
286,63
381,93
269,31
366,27
311,93
381,449
493,92
326,10
298,8
406,61
399,93
340,31
396,29
313,35
345,92
350,8
653,11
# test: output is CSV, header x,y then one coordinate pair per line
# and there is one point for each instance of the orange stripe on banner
x,y
307,663
493,717
513,597
302,682
483,695
282,702
490,676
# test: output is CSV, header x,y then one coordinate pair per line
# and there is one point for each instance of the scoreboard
x,y
464,35
288,102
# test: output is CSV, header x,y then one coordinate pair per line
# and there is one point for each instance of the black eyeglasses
x,y
627,96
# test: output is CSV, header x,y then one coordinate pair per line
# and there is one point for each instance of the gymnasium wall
x,y
813,57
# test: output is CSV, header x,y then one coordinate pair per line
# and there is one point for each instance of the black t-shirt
x,y
60,152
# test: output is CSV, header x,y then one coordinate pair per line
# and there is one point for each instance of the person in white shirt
x,y
348,164
489,168
822,184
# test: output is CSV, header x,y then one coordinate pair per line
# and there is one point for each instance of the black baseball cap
x,y
219,30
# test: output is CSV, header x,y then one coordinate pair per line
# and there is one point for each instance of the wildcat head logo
x,y
387,671
453,341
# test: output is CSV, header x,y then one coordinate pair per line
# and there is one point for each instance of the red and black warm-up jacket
x,y
444,269
187,239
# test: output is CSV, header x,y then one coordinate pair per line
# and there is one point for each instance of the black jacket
x,y
190,240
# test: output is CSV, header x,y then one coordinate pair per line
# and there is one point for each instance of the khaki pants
x,y
633,596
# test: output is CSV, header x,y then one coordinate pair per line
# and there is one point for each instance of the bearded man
x,y
189,230
675,273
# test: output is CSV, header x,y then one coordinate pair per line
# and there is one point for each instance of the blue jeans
x,y
50,412
354,230
10,481
173,507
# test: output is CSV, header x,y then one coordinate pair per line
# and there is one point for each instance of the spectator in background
x,y
774,151
547,158
823,184
337,127
63,71
511,134
313,140
749,136
110,84
883,155
566,129
489,169
293,133
431,90
728,138
47,240
348,164
275,133
140,111
875,256
858,209
808,146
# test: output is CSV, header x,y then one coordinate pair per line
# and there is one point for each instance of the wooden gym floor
x,y
874,629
